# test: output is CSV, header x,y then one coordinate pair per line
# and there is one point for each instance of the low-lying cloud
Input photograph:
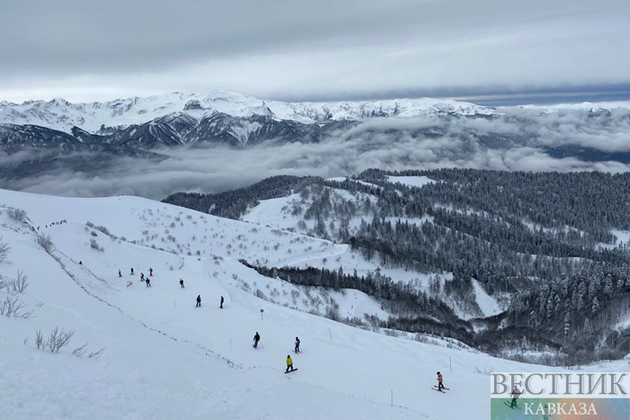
x,y
520,139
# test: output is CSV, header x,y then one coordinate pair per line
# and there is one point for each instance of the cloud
x,y
520,139
307,49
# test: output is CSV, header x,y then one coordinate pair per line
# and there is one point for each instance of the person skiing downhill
x,y
289,363
148,282
439,378
181,282
141,276
515,394
150,272
119,273
222,300
256,339
132,271
297,345
198,301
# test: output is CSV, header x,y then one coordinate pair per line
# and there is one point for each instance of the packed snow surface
x,y
163,358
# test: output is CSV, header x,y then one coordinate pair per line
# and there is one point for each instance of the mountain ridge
x,y
62,115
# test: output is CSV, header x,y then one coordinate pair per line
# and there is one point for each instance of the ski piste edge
x,y
289,371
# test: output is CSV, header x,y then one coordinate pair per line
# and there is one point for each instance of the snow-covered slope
x,y
62,115
289,213
164,359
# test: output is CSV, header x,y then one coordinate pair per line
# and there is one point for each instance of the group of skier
x,y
289,361
144,279
296,350
198,300
147,280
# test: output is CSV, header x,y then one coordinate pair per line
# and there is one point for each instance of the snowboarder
x,y
148,282
119,273
181,283
151,272
222,300
289,363
198,301
439,378
256,339
515,394
132,271
297,345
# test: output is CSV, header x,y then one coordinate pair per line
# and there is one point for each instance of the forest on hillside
x,y
545,240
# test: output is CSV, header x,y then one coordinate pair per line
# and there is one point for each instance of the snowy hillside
x,y
351,210
62,115
163,358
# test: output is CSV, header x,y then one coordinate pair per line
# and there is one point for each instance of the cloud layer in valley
x,y
519,139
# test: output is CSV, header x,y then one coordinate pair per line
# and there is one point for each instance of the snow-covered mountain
x,y
62,115
162,358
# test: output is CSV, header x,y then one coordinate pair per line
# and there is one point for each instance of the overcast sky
x,y
313,50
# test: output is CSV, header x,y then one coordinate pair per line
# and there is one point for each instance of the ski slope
x,y
165,359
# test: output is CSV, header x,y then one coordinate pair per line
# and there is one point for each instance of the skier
x,y
515,394
256,339
289,364
181,282
148,281
141,276
119,273
80,262
150,272
132,271
297,345
222,300
439,378
198,301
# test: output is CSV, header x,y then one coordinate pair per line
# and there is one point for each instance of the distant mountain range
x,y
50,139
177,118
174,119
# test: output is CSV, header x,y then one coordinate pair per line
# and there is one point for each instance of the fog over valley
x,y
567,138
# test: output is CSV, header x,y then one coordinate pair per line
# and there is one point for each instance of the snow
x,y
623,236
62,115
343,178
278,213
411,181
163,358
243,130
623,239
488,305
